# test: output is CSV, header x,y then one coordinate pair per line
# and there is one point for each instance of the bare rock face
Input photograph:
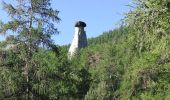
x,y
79,39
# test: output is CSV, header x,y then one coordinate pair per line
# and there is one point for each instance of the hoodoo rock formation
x,y
79,39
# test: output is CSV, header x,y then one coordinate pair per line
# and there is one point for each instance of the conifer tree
x,y
32,22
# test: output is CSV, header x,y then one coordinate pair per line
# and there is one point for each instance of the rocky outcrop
x,y
79,39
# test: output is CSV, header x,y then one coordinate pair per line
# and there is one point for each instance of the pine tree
x,y
32,22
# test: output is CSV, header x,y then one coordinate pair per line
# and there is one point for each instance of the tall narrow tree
x,y
32,22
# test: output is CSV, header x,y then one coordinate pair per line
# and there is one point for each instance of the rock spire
x,y
79,39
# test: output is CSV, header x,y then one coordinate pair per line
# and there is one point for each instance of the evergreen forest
x,y
131,62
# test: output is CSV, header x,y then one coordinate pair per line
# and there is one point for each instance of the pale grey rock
x,y
79,39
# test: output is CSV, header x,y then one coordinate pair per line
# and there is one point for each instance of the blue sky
x,y
99,15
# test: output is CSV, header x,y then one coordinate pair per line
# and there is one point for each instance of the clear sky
x,y
99,15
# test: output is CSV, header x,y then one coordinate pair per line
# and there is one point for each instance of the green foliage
x,y
32,22
130,62
146,78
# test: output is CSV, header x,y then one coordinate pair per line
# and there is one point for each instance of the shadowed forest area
x,y
131,62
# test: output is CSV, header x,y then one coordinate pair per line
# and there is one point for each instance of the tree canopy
x,y
130,62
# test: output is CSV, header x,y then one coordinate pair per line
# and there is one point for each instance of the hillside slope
x,y
119,68
128,63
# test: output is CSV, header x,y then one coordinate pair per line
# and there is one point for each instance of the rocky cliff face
x,y
79,39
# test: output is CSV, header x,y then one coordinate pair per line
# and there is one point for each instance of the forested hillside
x,y
130,62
